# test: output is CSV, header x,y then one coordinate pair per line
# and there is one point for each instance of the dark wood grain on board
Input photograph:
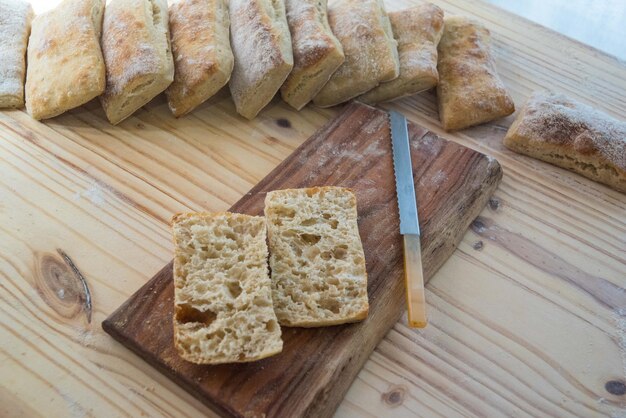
x,y
314,371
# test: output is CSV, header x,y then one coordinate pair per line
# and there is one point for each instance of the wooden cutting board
x,y
314,371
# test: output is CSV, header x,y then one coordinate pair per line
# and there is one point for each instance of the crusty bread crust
x,y
316,51
371,52
222,291
262,48
572,135
65,65
203,59
15,21
136,48
418,31
316,257
470,91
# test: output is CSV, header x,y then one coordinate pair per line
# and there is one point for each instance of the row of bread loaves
x,y
132,50
122,54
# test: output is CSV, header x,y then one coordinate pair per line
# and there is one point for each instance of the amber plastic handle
x,y
414,280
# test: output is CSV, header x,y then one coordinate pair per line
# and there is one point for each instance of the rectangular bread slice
x,y
15,21
317,260
65,65
222,292
572,135
470,91
261,44
317,53
418,31
136,48
203,60
371,52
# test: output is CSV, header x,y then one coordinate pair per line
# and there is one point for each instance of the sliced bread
x,y
222,294
317,259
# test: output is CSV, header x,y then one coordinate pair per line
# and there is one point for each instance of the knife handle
x,y
414,280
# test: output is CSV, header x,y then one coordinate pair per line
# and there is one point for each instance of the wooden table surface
x,y
528,317
596,23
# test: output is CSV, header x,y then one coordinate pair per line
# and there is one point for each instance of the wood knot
x,y
478,245
283,123
479,225
494,204
615,387
395,395
61,285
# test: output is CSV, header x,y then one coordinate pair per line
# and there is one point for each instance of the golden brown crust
x,y
65,65
363,28
418,31
358,317
316,51
15,21
572,135
470,91
136,48
262,48
203,59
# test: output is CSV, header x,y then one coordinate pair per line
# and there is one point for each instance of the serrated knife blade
x,y
409,223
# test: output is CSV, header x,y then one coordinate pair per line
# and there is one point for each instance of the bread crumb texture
x,y
317,260
223,301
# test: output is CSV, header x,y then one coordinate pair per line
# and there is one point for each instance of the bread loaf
x,y
15,21
222,293
316,51
262,48
371,52
470,91
317,260
65,65
136,48
418,31
572,135
203,59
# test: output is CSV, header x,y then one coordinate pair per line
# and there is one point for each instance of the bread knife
x,y
409,224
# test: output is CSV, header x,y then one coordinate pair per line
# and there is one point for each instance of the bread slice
x,y
572,135
136,48
317,260
15,21
261,43
65,65
470,91
222,294
317,53
418,31
203,59
364,30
